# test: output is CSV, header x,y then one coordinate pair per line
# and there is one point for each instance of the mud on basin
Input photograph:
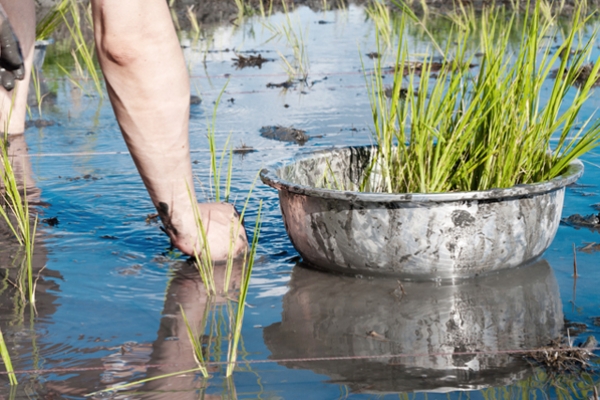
x,y
413,236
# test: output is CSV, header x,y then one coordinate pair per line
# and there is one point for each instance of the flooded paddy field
x,y
110,287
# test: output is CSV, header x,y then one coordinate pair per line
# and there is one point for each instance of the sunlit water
x,y
109,278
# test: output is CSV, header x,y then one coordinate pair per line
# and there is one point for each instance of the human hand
x,y
11,58
222,225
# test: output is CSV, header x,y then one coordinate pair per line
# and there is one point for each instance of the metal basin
x,y
412,236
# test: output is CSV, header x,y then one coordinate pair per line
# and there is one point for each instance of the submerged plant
x,y
476,131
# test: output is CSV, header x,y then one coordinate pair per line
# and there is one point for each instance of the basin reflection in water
x,y
327,316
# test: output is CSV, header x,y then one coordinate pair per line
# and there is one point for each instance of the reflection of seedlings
x,y
284,134
251,61
243,149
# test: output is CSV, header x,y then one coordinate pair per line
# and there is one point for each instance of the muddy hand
x,y
11,58
222,225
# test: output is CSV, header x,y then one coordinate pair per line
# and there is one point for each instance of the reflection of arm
x,y
187,290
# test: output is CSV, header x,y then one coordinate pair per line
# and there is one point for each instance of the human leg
x,y
148,86
13,104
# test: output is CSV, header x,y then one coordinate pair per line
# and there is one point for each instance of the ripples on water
x,y
107,296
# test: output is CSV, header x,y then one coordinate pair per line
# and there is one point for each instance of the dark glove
x,y
11,59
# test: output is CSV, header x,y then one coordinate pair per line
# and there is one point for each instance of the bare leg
x,y
21,14
148,86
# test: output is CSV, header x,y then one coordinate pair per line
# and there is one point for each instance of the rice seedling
x,y
14,209
52,20
83,50
380,14
7,362
193,18
299,67
491,129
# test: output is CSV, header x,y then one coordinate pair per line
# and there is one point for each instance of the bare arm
x,y
148,86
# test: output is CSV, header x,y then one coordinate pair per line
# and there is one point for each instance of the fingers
x,y
10,51
7,79
11,59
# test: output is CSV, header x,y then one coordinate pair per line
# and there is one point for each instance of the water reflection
x,y
326,316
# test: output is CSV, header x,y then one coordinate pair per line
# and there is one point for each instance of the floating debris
x,y
241,61
150,218
589,248
560,357
243,149
284,134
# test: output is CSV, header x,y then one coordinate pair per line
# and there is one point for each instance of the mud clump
x,y
282,85
194,100
241,61
284,134
51,221
589,221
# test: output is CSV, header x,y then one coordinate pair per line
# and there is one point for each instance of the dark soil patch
x,y
51,221
591,221
582,76
86,177
389,91
284,134
575,328
417,67
283,85
241,61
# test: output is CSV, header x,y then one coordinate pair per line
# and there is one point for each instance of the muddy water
x,y
108,301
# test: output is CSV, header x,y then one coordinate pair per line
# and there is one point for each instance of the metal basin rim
x,y
269,176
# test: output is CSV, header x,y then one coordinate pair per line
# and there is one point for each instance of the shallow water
x,y
107,305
